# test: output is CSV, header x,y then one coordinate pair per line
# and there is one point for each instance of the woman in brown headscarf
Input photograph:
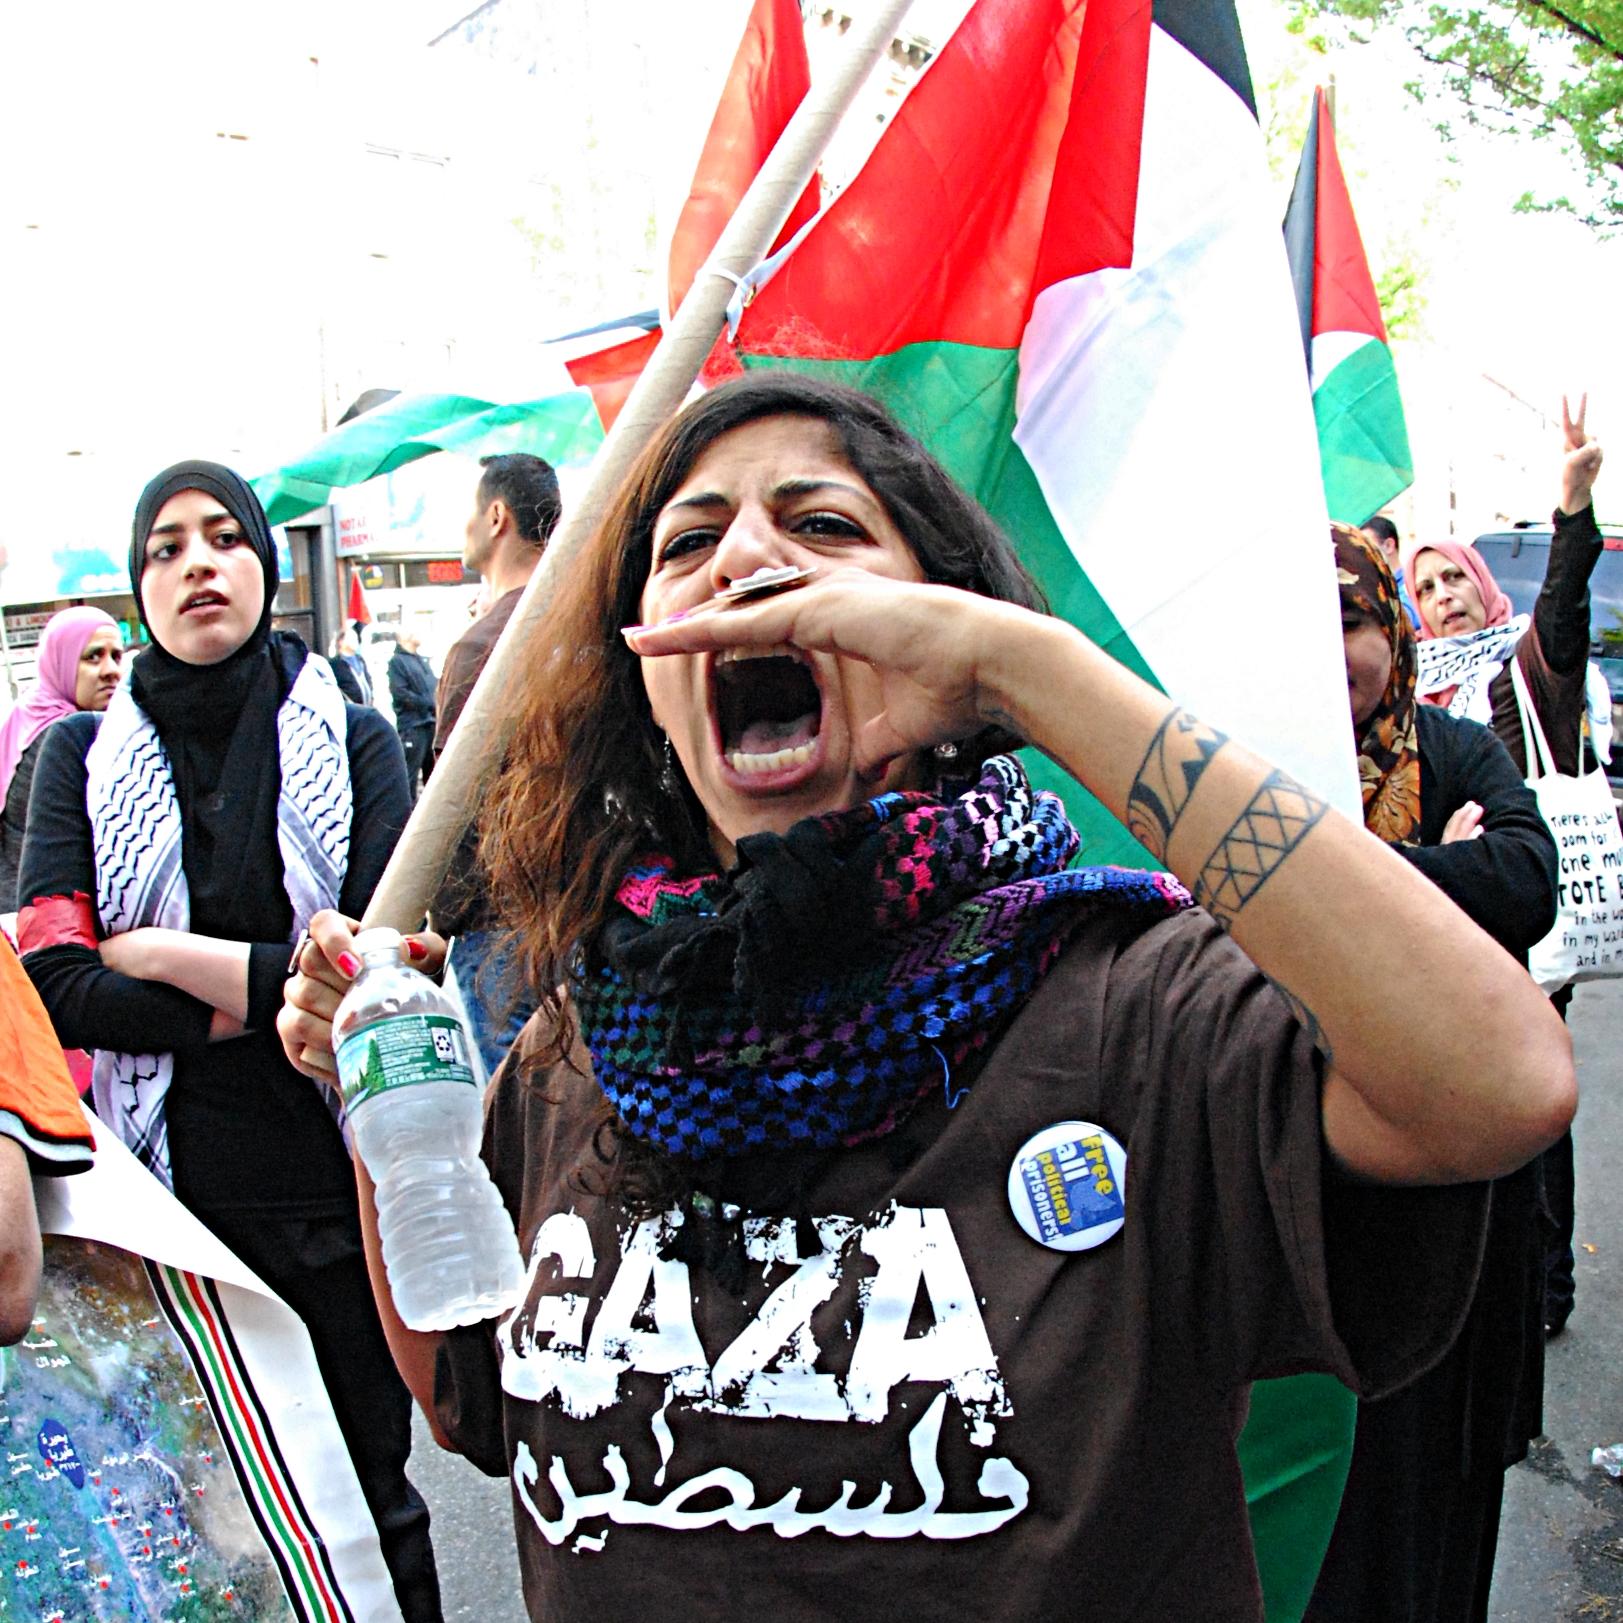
x,y
1419,1521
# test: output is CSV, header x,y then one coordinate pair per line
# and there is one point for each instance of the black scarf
x,y
217,724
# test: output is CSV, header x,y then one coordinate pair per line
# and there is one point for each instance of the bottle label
x,y
401,1052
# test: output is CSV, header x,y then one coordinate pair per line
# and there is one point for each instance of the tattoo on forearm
x,y
1306,1018
1179,753
1278,819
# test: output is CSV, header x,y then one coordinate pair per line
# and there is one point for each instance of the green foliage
x,y
1400,284
1548,68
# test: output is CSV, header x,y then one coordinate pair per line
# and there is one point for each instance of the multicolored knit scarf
x,y
810,997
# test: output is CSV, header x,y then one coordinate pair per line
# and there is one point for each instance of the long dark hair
x,y
586,786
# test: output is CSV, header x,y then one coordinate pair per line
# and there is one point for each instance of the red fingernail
x,y
671,619
416,949
349,964
631,631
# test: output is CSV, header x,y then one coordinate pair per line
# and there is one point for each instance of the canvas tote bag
x,y
1587,941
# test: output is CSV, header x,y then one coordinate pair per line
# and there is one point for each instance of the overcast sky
x,y
175,291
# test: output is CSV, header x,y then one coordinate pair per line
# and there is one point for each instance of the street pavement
x,y
1561,1543
473,1533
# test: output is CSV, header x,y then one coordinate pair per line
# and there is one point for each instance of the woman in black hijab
x,y
174,852
1418,1526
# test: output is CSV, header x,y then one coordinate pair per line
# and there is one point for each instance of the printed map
x,y
117,1497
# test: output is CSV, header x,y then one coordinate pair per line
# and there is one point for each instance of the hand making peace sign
x,y
1583,458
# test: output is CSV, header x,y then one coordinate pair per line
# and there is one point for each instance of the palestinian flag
x,y
1058,267
766,83
579,388
1061,269
1363,443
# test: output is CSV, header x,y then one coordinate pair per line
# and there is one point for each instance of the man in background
x,y
516,508
411,692
354,680
1384,533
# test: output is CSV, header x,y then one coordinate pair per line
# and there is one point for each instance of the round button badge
x,y
1068,1185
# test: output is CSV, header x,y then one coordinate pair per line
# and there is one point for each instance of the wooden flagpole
x,y
474,751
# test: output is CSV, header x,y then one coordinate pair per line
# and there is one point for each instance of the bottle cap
x,y
379,942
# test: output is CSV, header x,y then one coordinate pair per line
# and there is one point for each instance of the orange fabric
x,y
34,1081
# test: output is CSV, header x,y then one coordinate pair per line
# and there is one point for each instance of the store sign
x,y
23,630
33,572
419,509
354,531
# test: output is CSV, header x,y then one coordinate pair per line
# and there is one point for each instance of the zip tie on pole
x,y
751,282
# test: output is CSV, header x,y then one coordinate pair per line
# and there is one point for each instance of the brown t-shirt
x,y
464,661
461,904
935,1416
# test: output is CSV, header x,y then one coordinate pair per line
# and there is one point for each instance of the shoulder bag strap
x,y
1532,727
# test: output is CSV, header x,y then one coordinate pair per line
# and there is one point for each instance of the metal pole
x,y
477,743
324,598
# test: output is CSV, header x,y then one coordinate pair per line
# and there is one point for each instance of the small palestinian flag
x,y
1363,443
1058,268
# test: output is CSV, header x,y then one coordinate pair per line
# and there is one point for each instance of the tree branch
x,y
1573,25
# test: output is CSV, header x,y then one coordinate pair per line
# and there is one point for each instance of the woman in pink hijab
x,y
80,652
1461,593
1458,598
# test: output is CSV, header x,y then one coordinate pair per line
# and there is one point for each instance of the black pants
x,y
1560,1194
1560,1284
317,1266
1415,1540
417,740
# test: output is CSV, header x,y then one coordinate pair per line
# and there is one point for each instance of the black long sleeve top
x,y
1555,656
245,1129
412,686
1506,879
14,823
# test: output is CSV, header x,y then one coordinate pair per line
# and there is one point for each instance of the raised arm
x,y
1318,904
1561,615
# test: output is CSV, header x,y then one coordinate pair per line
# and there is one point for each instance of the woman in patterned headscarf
x,y
1380,681
1419,1521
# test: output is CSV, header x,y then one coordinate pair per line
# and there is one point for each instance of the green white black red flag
x,y
1363,441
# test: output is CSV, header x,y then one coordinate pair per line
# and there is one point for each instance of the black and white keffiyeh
x,y
1459,670
135,820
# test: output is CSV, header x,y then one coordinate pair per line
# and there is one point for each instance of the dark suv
x,y
1517,558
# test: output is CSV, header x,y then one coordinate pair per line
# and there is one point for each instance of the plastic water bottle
x,y
409,1085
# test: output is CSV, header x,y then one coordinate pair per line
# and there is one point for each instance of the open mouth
x,y
204,600
768,708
